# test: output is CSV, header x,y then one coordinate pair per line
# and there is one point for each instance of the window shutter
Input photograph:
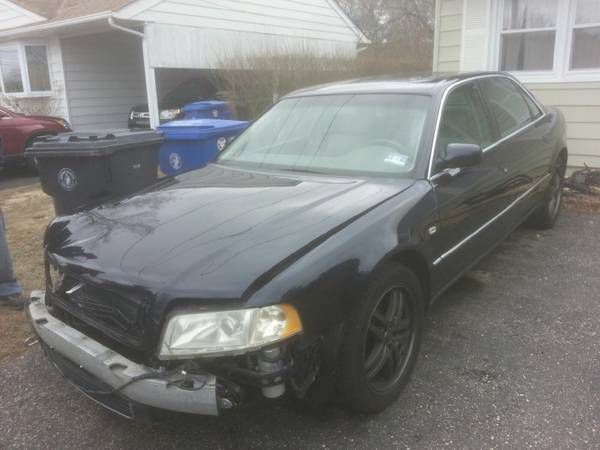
x,y
476,35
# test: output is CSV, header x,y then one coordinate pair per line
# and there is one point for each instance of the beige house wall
x,y
448,35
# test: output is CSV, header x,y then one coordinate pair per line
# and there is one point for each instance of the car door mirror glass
x,y
461,155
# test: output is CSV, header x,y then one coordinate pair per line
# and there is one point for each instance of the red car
x,y
18,131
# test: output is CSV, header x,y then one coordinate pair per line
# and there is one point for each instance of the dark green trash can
x,y
83,170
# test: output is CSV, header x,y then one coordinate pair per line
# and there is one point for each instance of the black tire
x,y
547,213
368,384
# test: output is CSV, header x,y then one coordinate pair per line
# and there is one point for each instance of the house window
x,y
37,67
12,77
585,44
528,35
24,69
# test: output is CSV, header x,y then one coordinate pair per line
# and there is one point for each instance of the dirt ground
x,y
27,211
582,203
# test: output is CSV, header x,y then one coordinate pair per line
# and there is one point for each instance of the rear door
x,y
468,198
526,137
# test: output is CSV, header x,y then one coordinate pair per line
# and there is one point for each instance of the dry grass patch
x,y
582,203
27,211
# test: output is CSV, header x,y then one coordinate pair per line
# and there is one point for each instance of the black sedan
x,y
304,258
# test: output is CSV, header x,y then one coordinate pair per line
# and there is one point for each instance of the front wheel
x,y
382,341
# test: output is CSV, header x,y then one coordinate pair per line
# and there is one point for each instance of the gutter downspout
x,y
149,72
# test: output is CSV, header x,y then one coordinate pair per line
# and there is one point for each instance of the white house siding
x,y
208,32
580,103
316,19
13,16
201,48
58,102
104,77
448,35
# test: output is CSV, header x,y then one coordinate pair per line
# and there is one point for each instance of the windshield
x,y
372,134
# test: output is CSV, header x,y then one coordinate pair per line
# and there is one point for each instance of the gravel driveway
x,y
511,359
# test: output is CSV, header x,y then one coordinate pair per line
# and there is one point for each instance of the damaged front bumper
x,y
113,380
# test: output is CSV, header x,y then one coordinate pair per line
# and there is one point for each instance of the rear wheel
x,y
547,213
382,341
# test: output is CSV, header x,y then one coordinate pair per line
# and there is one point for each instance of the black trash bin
x,y
82,170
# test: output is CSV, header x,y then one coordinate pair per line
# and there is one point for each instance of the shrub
x,y
253,83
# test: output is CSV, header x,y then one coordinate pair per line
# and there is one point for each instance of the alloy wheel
x,y
389,340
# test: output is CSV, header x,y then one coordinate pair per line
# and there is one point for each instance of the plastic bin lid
x,y
201,128
93,143
205,105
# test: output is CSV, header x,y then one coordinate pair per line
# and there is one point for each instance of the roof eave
x,y
24,31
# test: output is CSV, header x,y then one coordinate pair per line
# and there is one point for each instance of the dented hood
x,y
212,233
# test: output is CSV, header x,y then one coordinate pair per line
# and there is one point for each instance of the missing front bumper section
x,y
112,370
196,387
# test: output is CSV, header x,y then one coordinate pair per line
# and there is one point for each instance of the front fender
x,y
324,284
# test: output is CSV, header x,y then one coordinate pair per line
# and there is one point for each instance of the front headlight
x,y
227,332
169,114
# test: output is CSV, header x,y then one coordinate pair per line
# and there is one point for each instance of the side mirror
x,y
461,155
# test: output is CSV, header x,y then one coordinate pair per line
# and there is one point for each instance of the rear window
x,y
507,104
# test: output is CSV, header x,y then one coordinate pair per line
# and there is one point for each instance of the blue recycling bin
x,y
191,144
211,109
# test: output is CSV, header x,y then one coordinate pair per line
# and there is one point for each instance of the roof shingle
x,y
67,9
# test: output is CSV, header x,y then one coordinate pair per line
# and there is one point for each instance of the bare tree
x,y
401,29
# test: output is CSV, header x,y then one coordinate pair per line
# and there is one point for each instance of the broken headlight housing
x,y
217,333
54,277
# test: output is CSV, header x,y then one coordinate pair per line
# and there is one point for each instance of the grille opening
x,y
102,314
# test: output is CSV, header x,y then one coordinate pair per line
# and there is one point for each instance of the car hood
x,y
212,233
38,117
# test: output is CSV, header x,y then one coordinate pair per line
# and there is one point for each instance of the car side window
x,y
464,120
533,107
507,104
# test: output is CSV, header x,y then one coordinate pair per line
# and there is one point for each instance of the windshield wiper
x,y
304,171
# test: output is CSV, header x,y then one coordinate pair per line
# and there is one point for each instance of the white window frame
x,y
571,29
27,92
565,23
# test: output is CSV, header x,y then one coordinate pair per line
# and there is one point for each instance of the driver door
x,y
468,198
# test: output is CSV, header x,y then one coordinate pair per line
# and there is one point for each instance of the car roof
x,y
419,83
